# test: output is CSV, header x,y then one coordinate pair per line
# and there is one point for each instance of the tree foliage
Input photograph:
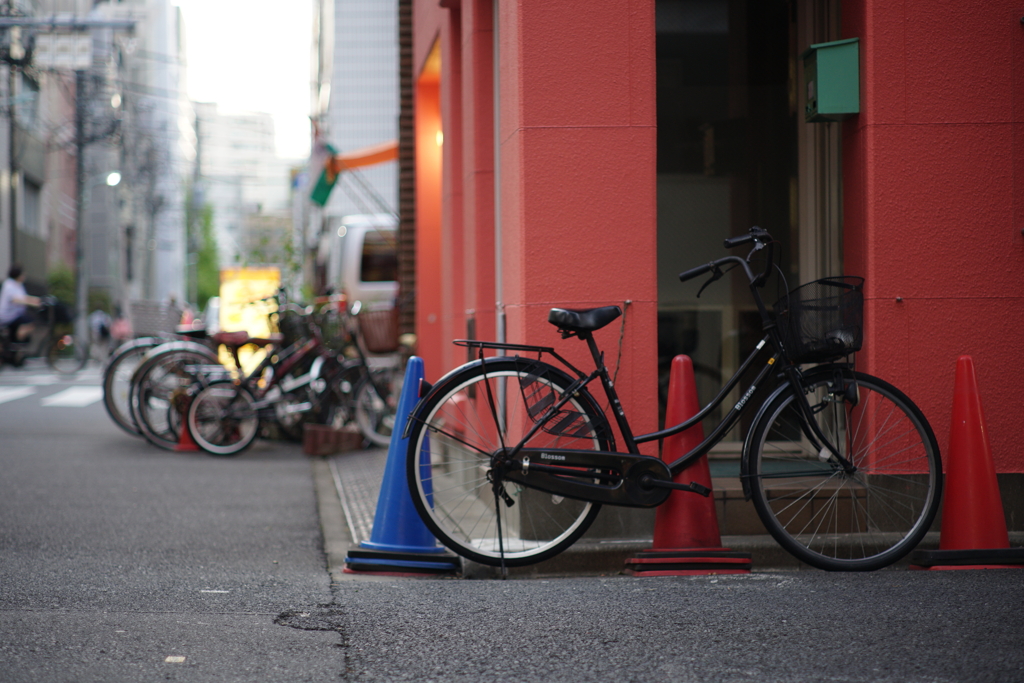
x,y
208,260
203,243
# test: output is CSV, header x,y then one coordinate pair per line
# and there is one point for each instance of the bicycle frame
x,y
631,466
288,359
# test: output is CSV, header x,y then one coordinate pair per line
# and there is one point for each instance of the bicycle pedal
x,y
699,488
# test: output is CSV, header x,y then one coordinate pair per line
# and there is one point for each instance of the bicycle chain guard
x,y
594,476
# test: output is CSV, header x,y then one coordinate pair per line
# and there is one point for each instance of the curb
x,y
585,558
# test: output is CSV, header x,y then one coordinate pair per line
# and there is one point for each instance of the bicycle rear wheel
x,y
825,516
117,376
472,414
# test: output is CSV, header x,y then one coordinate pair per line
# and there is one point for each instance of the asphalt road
x,y
121,562
115,555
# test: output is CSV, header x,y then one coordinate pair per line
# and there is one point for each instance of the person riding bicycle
x,y
14,303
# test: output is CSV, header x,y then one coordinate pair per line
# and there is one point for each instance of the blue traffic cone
x,y
400,541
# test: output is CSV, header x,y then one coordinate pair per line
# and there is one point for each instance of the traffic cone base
x,y
688,562
361,560
686,537
400,542
986,558
185,441
974,534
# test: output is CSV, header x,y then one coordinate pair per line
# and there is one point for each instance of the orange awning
x,y
367,156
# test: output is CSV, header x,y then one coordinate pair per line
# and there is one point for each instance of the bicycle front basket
x,y
292,327
380,329
822,320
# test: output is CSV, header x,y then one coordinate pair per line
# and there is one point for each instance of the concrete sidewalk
x,y
348,485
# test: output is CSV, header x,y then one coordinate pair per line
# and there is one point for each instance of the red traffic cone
x,y
974,532
185,441
686,536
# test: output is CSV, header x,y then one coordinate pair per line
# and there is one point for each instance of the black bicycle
x,y
53,339
510,458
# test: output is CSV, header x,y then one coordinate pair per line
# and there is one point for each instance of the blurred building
x,y
94,154
37,153
355,106
242,178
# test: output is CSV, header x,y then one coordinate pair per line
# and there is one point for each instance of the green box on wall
x,y
832,79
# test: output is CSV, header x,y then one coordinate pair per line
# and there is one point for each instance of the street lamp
x,y
113,178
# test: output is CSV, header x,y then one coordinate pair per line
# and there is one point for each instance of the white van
x,y
367,258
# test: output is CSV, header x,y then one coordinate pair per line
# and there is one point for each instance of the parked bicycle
x,y
374,370
53,339
147,380
510,458
123,363
306,378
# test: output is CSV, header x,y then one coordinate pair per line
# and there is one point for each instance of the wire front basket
x,y
335,333
380,329
292,326
822,320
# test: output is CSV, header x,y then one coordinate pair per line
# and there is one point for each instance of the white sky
x,y
253,56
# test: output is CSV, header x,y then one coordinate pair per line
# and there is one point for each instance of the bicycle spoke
x,y
862,520
451,446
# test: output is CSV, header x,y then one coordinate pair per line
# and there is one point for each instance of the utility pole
x,y
194,240
81,281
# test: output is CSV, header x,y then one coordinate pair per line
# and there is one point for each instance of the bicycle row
x,y
224,390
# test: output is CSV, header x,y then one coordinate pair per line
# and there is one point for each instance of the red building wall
x,y
933,182
933,189
577,180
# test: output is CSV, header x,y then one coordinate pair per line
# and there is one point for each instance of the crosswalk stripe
x,y
40,380
13,393
76,397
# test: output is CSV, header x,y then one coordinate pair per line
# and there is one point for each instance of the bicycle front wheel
x,y
159,390
830,517
375,405
222,418
67,354
473,414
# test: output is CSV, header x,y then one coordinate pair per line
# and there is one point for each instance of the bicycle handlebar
x,y
696,272
760,237
739,240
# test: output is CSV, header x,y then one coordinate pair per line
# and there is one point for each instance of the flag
x,y
329,175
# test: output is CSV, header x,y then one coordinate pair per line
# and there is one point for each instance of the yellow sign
x,y
245,305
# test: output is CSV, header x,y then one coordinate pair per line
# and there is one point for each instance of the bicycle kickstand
x,y
499,494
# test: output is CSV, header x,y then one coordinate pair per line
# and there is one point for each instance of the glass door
x,y
733,152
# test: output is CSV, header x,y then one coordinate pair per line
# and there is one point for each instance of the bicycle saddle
x,y
238,339
585,320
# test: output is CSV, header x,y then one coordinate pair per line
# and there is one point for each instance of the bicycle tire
x,y
452,436
338,409
222,418
159,390
374,412
66,354
117,376
825,517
